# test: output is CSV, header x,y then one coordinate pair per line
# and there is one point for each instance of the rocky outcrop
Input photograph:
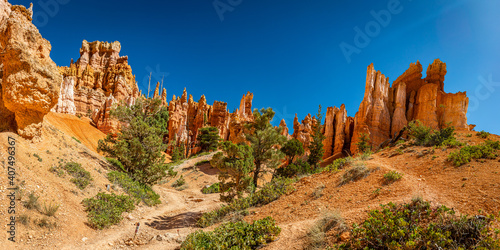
x,y
99,74
284,129
30,79
410,98
303,131
329,131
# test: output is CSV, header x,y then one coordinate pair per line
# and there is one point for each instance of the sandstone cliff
x,y
30,80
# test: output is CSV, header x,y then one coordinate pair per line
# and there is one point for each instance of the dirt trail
x,y
173,220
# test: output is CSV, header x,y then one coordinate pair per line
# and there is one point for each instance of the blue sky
x,y
287,52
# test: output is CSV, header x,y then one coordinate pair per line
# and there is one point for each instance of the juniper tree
x,y
208,138
316,147
235,164
265,141
139,145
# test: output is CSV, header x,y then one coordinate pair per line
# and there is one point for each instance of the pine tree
x,y
235,164
265,141
316,147
208,139
139,145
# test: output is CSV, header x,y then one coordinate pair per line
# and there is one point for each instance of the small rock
x,y
345,236
465,178
159,238
129,217
84,239
110,244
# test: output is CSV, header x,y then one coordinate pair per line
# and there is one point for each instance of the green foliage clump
x,y
297,168
425,136
116,163
483,134
417,225
269,193
316,147
235,164
339,164
353,174
392,176
364,143
292,148
201,163
139,146
81,177
179,182
208,139
137,190
178,153
38,157
106,209
264,140
50,210
239,235
212,189
32,202
486,150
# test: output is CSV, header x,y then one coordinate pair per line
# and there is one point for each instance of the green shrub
x,y
24,219
106,209
483,134
392,176
32,202
179,182
50,210
201,163
486,150
214,188
38,157
299,167
425,136
339,164
81,177
353,174
178,153
364,143
417,225
137,190
239,235
116,163
269,193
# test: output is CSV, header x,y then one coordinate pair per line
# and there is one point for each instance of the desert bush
x,y
354,173
299,167
269,193
328,220
239,235
417,225
32,202
364,143
106,209
483,134
292,148
50,210
137,190
425,136
179,182
81,177
392,176
44,222
178,153
366,155
38,157
24,219
318,191
339,164
214,188
486,150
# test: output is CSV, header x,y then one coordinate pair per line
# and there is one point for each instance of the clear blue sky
x,y
287,52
